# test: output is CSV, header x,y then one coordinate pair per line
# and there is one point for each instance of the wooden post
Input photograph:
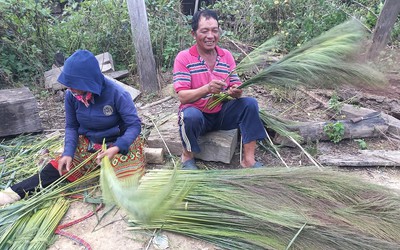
x,y
143,50
383,27
196,7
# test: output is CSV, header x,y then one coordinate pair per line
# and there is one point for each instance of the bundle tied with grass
x,y
34,219
328,60
25,155
35,230
277,208
145,204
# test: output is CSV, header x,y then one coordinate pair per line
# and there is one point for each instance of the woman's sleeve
x,y
71,126
126,109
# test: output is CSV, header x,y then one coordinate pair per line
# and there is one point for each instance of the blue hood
x,y
82,72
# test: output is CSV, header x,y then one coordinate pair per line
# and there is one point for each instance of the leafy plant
x,y
99,26
334,131
334,104
169,30
26,42
361,144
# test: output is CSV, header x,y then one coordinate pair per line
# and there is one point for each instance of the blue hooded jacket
x,y
112,116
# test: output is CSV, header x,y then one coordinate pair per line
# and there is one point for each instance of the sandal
x,y
189,165
257,165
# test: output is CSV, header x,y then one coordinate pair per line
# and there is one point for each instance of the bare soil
x,y
111,231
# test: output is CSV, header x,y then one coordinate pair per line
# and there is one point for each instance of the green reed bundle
x,y
55,212
145,204
328,60
275,208
25,155
35,230
15,217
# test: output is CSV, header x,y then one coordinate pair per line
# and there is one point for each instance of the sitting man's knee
x,y
192,115
250,102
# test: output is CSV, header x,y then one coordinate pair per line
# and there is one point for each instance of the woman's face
x,y
76,91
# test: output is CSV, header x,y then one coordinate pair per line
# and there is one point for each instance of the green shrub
x,y
169,30
30,35
334,131
26,40
98,26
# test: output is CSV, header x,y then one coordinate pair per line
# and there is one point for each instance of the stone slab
x,y
215,146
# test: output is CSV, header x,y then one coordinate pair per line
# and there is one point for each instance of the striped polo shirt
x,y
192,72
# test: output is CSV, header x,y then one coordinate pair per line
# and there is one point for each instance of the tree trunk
x,y
383,27
141,39
360,127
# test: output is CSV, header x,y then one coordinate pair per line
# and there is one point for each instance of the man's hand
x,y
110,152
216,86
64,164
234,91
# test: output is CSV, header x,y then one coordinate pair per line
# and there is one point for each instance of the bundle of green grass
x,y
329,60
276,208
30,223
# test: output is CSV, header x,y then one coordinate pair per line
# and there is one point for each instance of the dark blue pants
x,y
240,113
47,176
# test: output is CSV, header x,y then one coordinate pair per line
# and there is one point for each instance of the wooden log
x,y
364,158
52,83
121,74
314,131
105,63
19,112
132,91
351,111
154,155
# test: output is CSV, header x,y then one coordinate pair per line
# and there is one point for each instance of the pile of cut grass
x,y
276,208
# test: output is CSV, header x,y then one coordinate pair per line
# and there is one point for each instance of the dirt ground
x,y
111,231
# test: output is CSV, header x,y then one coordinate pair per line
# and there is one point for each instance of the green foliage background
x,y
30,35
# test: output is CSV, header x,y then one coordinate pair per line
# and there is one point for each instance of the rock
x,y
215,146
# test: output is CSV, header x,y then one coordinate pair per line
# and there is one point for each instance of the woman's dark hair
x,y
202,13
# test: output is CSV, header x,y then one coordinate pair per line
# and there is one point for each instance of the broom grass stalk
x,y
21,241
55,213
144,205
268,208
327,60
10,214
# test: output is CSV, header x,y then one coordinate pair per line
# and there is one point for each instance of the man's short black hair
x,y
202,13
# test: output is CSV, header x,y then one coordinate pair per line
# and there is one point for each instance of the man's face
x,y
207,34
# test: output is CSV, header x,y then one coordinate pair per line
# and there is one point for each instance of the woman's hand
x,y
110,152
64,164
234,91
